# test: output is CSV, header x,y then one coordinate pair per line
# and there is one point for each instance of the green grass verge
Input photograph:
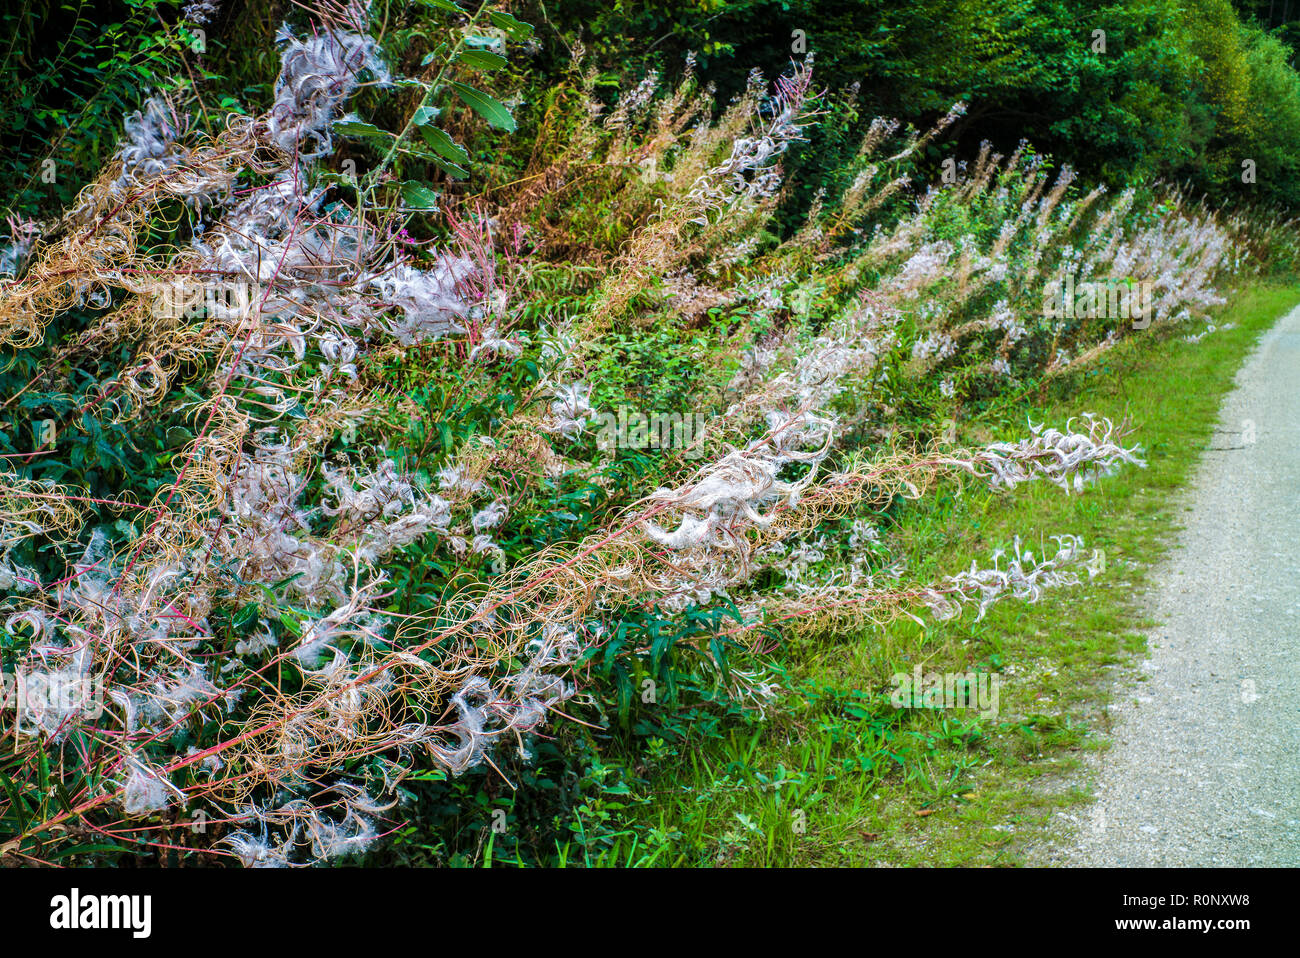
x,y
840,777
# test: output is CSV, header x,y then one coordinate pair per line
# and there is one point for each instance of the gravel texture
x,y
1205,763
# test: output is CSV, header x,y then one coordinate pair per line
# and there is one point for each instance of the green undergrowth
x,y
838,775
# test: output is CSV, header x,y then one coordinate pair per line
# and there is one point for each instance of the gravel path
x,y
1205,766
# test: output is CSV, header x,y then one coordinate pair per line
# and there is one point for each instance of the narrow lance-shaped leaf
x,y
516,29
481,59
356,127
450,154
447,5
485,106
417,196
444,144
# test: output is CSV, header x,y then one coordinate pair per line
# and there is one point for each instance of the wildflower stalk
x,y
433,88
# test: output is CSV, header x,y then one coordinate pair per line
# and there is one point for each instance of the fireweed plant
x,y
242,645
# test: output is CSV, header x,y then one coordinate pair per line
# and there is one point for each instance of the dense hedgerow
x,y
359,526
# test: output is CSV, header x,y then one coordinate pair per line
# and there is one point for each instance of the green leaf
x,y
481,59
417,196
444,144
246,616
425,114
86,850
517,29
449,151
485,106
356,127
65,799
15,802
